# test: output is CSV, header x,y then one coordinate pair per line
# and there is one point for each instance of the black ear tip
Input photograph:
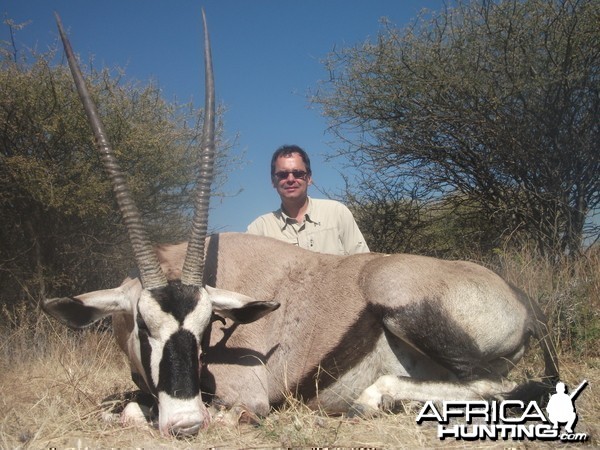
x,y
254,311
71,312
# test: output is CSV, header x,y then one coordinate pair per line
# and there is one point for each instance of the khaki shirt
x,y
328,227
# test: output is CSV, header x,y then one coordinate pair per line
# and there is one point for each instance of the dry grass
x,y
50,396
568,290
53,381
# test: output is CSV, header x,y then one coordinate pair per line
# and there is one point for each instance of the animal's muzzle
x,y
178,417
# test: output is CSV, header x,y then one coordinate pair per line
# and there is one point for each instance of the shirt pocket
x,y
324,240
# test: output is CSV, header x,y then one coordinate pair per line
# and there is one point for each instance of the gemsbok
x,y
347,334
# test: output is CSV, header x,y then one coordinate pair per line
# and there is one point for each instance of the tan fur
x,y
344,321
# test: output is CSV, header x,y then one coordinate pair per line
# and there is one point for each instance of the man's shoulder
x,y
329,207
268,216
327,203
258,225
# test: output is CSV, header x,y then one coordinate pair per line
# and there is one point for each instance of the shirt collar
x,y
285,220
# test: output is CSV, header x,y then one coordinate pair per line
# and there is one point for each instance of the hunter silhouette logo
x,y
561,406
508,419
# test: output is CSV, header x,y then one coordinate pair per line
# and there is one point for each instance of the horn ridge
x,y
150,271
193,268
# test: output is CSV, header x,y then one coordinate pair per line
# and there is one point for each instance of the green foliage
x,y
446,228
494,101
59,227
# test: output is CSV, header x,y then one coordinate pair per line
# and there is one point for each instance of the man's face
x,y
288,179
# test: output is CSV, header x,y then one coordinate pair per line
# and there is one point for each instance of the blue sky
x,y
267,55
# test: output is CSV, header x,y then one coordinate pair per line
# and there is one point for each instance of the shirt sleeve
x,y
256,228
352,239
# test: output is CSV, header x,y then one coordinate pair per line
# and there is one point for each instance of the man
x,y
324,226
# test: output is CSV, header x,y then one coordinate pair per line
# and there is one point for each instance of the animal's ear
x,y
237,307
85,309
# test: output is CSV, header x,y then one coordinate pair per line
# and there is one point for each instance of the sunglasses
x,y
297,174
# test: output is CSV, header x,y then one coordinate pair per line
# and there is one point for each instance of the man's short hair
x,y
287,150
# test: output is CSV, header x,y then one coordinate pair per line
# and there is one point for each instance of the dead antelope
x,y
344,333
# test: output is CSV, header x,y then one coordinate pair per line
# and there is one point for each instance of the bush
x,y
567,288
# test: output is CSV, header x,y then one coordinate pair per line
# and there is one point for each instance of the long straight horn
x,y
147,262
193,268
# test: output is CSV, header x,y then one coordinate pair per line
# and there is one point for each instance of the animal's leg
x,y
132,408
390,389
244,391
136,414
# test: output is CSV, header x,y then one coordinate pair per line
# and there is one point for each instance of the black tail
x,y
538,390
542,334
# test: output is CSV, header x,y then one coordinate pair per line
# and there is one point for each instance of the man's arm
x,y
351,236
256,228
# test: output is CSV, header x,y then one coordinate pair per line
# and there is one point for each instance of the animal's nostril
x,y
179,417
183,425
185,430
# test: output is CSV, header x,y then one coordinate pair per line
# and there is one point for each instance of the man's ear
x,y
238,307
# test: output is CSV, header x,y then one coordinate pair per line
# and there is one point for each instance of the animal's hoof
x,y
387,403
355,411
248,418
358,410
234,416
